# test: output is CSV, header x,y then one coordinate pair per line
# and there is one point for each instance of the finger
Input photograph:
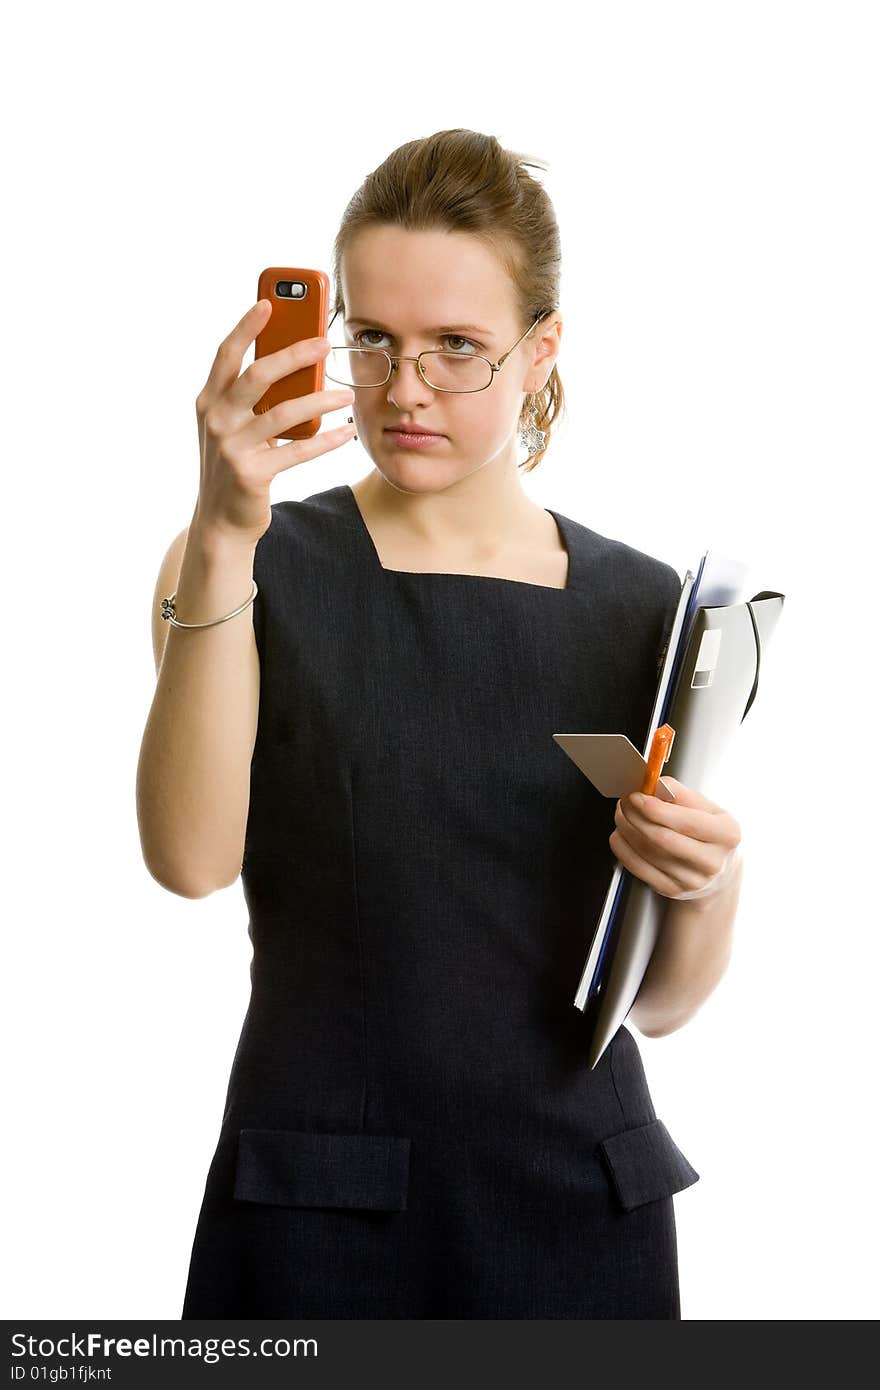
x,y
714,838
263,372
699,822
665,881
689,796
227,362
300,450
268,424
678,854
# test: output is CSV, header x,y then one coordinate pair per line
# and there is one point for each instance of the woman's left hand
x,y
673,846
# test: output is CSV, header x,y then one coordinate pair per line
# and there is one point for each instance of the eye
x,y
448,337
458,339
364,333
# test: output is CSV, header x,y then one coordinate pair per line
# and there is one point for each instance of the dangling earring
x,y
350,421
532,438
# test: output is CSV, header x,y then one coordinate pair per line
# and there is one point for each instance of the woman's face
x,y
398,287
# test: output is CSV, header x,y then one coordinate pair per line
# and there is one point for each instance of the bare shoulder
x,y
166,583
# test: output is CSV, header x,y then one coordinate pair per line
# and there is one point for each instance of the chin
x,y
418,473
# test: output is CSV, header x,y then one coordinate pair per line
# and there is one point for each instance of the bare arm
x,y
691,956
193,777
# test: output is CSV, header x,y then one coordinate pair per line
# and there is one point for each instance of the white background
x,y
714,171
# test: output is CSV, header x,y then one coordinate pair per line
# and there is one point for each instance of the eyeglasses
x,y
442,371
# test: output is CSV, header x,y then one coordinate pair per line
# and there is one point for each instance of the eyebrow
x,y
442,328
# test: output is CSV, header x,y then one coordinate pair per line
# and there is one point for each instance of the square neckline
x,y
348,493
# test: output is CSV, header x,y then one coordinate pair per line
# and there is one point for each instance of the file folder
x,y
707,685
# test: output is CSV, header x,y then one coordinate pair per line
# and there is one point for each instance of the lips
x,y
412,429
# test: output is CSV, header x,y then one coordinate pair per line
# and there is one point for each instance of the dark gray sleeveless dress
x,y
411,1129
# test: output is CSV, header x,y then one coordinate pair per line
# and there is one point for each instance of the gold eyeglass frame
x,y
429,352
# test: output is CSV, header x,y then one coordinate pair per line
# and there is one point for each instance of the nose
x,y
406,388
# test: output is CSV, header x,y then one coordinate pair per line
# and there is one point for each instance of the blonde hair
x,y
460,180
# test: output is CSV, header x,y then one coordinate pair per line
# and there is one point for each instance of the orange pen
x,y
661,746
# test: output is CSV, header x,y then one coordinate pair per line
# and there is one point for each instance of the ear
x,y
547,343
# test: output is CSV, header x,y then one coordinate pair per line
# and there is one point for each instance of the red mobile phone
x,y
299,310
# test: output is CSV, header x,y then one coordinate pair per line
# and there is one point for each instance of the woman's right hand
x,y
239,458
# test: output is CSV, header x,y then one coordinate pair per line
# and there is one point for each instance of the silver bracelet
x,y
168,611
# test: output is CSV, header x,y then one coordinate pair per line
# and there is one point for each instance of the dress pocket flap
x,y
645,1164
305,1168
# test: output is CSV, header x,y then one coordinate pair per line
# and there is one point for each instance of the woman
x,y
411,1128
